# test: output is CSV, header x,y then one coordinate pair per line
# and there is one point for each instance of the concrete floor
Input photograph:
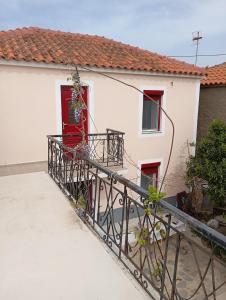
x,y
47,253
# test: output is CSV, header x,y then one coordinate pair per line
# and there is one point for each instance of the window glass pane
x,y
148,179
73,118
150,115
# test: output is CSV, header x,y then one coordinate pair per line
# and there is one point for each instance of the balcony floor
x,y
48,253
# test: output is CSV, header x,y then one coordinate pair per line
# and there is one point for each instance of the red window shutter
x,y
153,93
150,168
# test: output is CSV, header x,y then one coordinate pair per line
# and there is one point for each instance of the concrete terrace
x,y
48,253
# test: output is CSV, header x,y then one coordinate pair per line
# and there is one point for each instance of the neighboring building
x,y
212,103
34,66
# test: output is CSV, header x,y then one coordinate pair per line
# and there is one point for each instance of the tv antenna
x,y
196,37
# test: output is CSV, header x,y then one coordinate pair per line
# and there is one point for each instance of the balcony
x,y
170,254
106,149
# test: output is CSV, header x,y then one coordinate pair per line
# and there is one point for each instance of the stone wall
x,y
212,105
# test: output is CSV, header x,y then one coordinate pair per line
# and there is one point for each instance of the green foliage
x,y
148,211
157,270
153,195
210,162
81,202
162,233
142,235
158,226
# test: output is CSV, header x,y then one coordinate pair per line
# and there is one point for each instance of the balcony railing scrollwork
x,y
171,255
104,148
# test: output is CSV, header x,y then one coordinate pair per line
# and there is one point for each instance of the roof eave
x,y
70,67
214,84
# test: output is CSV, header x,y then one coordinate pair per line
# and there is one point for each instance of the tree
x,y
209,162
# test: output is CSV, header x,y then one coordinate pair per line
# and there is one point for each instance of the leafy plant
x,y
147,211
142,235
209,162
154,196
81,203
157,270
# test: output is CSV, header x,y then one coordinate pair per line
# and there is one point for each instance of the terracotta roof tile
x,y
216,75
49,46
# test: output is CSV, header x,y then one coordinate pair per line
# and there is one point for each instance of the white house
x,y
34,66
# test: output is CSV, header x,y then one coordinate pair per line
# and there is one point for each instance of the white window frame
x,y
151,133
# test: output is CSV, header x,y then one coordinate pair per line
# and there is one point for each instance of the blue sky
x,y
157,25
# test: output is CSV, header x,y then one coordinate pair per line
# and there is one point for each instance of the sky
x,y
160,26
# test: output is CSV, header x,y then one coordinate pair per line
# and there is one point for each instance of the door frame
x,y
90,102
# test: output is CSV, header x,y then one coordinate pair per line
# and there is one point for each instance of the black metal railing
x,y
172,255
104,148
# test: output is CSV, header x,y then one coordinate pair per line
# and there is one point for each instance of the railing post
x,y
108,145
124,201
94,198
165,255
48,153
178,240
122,150
127,207
50,167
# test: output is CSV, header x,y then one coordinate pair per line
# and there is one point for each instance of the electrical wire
x,y
131,162
128,158
201,55
151,99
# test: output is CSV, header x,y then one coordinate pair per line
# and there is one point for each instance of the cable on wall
x,y
151,99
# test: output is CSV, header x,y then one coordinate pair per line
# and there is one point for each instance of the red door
x,y
71,124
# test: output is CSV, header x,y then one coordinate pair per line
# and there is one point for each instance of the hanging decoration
x,y
77,103
78,106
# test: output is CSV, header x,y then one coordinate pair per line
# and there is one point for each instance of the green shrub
x,y
209,162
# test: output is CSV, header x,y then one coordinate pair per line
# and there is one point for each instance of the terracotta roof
x,y
216,75
48,46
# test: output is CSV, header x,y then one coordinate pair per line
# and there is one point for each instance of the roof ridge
x,y
217,65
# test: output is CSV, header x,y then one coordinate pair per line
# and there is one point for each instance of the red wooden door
x,y
70,124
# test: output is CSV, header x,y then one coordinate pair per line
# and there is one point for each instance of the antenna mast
x,y
196,37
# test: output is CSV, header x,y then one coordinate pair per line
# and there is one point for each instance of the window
x,y
151,118
149,175
72,117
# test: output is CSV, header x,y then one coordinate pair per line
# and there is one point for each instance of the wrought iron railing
x,y
104,148
172,255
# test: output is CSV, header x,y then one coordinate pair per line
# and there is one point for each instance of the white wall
x,y
30,109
